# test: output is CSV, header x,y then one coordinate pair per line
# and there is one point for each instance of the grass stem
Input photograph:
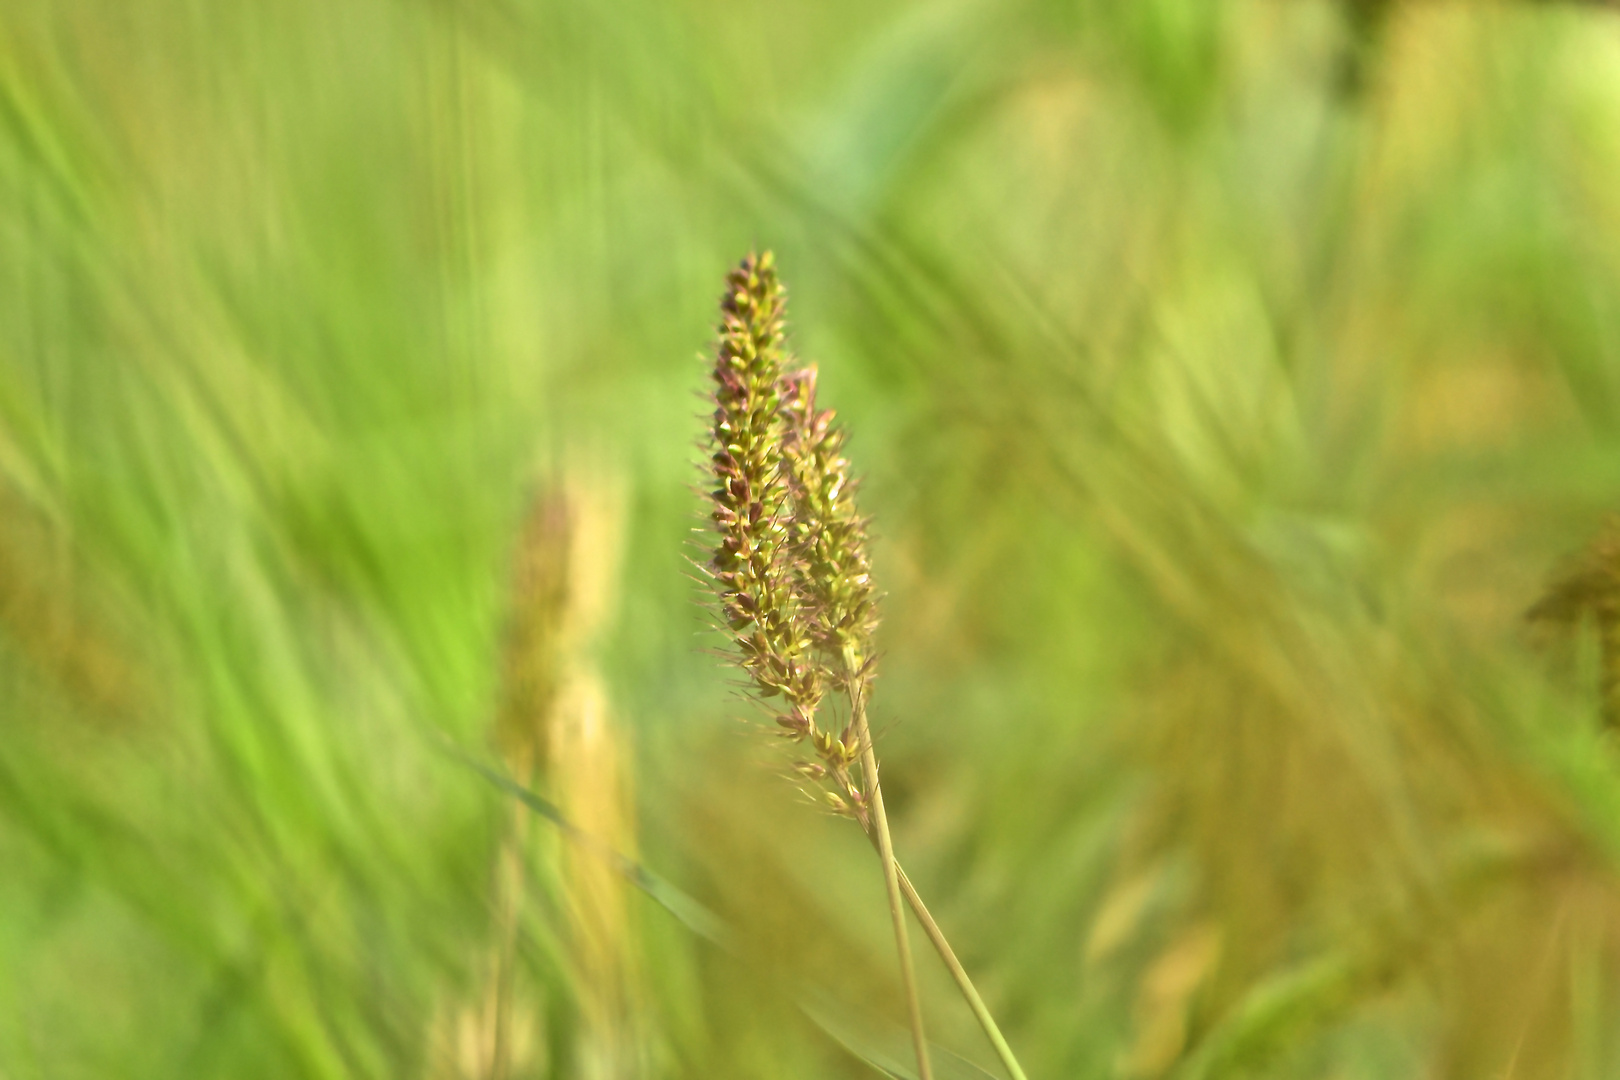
x,y
980,1011
891,869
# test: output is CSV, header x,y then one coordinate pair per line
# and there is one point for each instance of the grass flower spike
x,y
759,567
835,575
789,568
752,563
793,582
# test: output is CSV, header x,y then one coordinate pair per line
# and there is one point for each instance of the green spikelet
x,y
829,536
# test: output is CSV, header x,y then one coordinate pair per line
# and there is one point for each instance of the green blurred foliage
x,y
1229,378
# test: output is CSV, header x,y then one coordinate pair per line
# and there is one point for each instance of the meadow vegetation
x,y
1234,391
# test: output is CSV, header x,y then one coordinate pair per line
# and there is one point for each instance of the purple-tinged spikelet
x,y
752,565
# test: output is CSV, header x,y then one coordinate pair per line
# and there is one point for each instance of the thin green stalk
x,y
980,1011
891,869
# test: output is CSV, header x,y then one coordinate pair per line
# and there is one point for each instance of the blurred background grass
x,y
1230,378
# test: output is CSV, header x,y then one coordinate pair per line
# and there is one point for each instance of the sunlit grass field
x,y
1235,386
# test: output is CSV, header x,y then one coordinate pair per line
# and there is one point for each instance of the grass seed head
x,y
789,564
752,563
828,534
